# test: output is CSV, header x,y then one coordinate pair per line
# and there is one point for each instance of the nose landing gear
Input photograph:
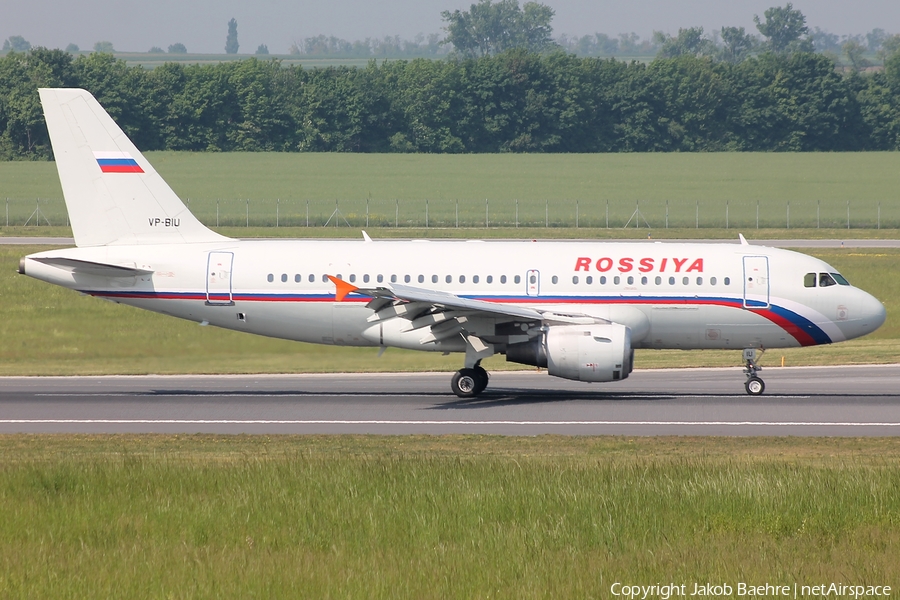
x,y
754,385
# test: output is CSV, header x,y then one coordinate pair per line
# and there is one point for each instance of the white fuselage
x,y
671,295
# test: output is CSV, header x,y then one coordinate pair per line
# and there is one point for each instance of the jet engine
x,y
580,352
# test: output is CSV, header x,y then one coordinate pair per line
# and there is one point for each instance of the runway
x,y
813,401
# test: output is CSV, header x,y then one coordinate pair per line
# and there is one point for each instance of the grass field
x,y
439,517
48,330
796,190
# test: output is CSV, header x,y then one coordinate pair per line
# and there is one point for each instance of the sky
x,y
201,25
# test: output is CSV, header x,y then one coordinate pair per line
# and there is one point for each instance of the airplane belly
x,y
715,327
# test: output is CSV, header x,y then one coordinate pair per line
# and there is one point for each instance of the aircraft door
x,y
218,279
756,282
533,282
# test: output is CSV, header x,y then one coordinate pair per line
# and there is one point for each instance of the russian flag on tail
x,y
117,162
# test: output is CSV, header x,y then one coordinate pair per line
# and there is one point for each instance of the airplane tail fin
x,y
113,194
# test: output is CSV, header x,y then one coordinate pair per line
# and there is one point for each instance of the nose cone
x,y
871,315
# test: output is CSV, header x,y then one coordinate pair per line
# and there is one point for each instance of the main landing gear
x,y
754,385
468,383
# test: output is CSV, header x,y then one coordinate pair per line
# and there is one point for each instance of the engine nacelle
x,y
579,352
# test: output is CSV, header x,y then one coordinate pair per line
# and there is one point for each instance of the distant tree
x,y
72,48
177,48
688,42
783,28
854,50
874,39
823,41
231,42
16,43
105,47
295,49
263,49
155,50
889,47
736,44
489,28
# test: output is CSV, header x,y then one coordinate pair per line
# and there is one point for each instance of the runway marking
x,y
424,422
628,396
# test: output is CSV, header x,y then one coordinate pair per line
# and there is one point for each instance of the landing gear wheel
x,y
482,379
755,386
465,383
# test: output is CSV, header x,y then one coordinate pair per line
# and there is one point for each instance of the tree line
x,y
511,102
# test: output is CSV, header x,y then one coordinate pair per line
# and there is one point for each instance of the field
x,y
439,517
48,330
734,190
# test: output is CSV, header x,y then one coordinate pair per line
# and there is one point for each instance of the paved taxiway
x,y
840,401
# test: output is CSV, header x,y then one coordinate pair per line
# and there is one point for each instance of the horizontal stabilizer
x,y
91,268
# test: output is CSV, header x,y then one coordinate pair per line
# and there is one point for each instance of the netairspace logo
x,y
668,591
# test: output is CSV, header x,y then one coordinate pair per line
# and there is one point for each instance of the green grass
x,y
547,188
49,330
439,517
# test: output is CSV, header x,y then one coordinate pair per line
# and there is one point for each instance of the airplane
x,y
575,308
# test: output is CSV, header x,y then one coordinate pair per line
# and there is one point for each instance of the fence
x,y
655,214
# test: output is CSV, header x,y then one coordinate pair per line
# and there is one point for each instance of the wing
x,y
447,315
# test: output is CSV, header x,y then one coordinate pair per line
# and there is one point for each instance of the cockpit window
x,y
840,279
809,280
826,280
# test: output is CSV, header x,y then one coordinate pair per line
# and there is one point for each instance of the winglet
x,y
366,237
743,241
342,288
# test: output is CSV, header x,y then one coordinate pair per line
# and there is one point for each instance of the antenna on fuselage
x,y
743,240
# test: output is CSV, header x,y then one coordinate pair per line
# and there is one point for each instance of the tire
x,y
755,386
465,383
482,379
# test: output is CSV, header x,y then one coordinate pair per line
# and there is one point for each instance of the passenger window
x,y
671,281
644,280
712,281
380,278
434,279
630,280
393,279
616,280
270,278
589,280
325,278
490,279
503,279
658,280
518,279
699,281
575,279
554,279
284,278
366,278
685,280
352,278
297,278
809,280
449,278
406,279
474,278
840,279
421,279
462,278
603,280
532,279
727,281
825,280
312,278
